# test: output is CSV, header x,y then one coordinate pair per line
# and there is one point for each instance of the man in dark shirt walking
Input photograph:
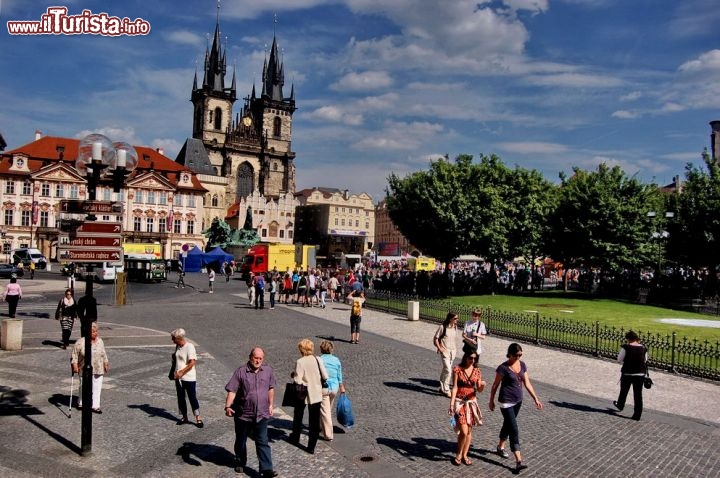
x,y
250,396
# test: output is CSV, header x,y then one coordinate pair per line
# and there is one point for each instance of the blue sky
x,y
387,86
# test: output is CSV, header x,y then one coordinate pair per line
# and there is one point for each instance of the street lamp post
x,y
95,153
661,235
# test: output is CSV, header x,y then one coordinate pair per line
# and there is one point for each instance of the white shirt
x,y
182,356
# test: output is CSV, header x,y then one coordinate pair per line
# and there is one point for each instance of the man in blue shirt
x,y
250,396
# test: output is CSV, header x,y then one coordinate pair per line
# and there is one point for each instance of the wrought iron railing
x,y
691,356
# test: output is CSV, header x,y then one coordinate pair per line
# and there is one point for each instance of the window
x,y
176,226
162,224
106,194
367,225
137,224
337,209
191,227
45,190
177,200
342,222
151,197
27,188
25,218
139,197
290,234
282,233
59,190
214,201
149,224
245,180
191,200
357,223
343,209
9,187
264,232
277,126
74,191
336,221
44,218
6,248
9,217
218,118
162,198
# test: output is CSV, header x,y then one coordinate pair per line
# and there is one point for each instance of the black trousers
x,y
313,424
637,385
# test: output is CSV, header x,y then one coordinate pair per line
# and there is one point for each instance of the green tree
x,y
601,220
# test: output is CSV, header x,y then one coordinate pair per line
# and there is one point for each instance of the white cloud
x,y
399,136
684,157
382,102
185,37
334,114
531,147
368,80
708,62
632,96
575,80
535,6
672,107
625,114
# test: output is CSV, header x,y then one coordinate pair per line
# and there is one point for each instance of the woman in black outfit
x,y
633,357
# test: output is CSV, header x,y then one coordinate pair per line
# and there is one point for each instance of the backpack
x,y
261,283
356,307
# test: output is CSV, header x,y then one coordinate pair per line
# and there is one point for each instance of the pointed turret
x,y
273,76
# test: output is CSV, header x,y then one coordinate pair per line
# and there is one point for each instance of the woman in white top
x,y
185,376
445,341
309,371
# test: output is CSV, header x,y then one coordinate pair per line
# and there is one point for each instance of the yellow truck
x,y
281,257
417,264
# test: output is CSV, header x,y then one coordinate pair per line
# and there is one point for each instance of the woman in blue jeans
x,y
510,376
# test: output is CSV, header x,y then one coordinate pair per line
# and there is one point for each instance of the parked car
x,y
28,255
7,271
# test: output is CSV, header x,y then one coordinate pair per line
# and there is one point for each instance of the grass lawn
x,y
613,313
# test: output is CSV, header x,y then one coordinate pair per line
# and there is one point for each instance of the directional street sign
x,y
73,206
101,241
107,228
91,255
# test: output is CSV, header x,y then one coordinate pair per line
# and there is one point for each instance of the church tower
x,y
213,102
253,149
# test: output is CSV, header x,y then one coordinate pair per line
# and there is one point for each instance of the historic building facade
x,y
340,223
242,158
389,241
163,201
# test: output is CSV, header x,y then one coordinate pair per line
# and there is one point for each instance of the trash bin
x,y
413,312
11,334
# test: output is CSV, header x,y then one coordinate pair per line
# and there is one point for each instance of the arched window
x,y
218,118
273,229
277,126
245,180
215,201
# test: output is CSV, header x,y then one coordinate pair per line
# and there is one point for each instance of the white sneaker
x,y
210,292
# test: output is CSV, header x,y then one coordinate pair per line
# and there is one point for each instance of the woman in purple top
x,y
510,377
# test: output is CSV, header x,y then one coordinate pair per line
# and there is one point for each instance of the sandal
x,y
456,462
467,461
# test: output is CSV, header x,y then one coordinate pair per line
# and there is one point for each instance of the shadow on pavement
x,y
412,388
194,453
155,411
332,338
435,449
14,402
56,436
54,343
427,382
582,408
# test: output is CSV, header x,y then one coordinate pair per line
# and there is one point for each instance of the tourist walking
x,y
211,279
259,283
66,313
510,376
185,376
309,371
335,386
99,362
181,276
249,400
13,294
32,270
227,269
287,287
356,298
273,289
467,379
474,333
445,341
633,357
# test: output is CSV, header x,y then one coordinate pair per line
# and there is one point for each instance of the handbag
x,y
323,381
171,374
647,381
290,395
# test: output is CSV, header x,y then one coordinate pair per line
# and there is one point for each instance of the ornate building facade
x,y
163,201
248,154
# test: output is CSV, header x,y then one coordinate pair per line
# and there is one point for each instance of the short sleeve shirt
x,y
252,399
182,356
471,327
511,391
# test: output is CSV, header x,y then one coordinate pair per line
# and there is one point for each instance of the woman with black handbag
x,y
633,357
309,371
66,313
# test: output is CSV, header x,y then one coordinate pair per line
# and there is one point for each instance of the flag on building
x,y
35,212
170,220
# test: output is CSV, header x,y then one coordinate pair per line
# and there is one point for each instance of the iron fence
x,y
691,356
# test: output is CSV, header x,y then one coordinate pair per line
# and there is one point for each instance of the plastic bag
x,y
344,411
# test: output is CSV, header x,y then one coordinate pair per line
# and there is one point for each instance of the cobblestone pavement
x,y
402,424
